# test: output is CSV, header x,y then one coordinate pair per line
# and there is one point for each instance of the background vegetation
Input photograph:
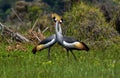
x,y
95,22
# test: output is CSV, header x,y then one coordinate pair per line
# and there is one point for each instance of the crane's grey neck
x,y
60,30
58,27
59,35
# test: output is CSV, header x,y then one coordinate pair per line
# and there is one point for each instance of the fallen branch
x,y
6,32
20,38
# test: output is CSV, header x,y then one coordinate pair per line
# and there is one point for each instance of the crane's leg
x,y
73,55
49,53
67,54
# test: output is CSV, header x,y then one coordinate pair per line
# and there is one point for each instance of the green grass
x,y
92,64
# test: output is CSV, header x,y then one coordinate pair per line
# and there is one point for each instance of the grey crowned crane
x,y
68,43
46,43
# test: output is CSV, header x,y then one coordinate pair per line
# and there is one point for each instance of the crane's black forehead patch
x,y
53,17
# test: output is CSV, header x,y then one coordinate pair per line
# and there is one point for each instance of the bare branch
x,y
45,29
17,16
37,37
34,24
14,35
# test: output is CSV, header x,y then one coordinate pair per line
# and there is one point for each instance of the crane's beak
x,y
82,46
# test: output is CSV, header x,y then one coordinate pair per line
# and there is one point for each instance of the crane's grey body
x,y
67,42
49,41
63,40
46,43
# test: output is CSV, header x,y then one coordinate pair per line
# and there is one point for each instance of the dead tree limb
x,y
34,24
6,32
20,38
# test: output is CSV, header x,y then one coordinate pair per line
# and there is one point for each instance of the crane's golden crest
x,y
56,17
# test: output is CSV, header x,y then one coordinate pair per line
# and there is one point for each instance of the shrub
x,y
34,12
87,22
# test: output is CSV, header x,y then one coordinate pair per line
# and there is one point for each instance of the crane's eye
x,y
61,20
54,19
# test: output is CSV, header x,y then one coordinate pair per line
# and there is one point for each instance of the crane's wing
x,y
48,39
69,39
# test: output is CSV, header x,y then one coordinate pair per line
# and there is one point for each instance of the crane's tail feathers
x,y
85,46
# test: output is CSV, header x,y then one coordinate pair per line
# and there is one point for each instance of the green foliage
x,y
81,16
92,64
34,12
87,22
5,6
115,22
117,1
55,5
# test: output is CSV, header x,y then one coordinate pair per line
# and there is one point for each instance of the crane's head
x,y
85,46
37,48
82,46
56,17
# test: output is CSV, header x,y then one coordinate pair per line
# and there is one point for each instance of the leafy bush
x,y
34,12
87,22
